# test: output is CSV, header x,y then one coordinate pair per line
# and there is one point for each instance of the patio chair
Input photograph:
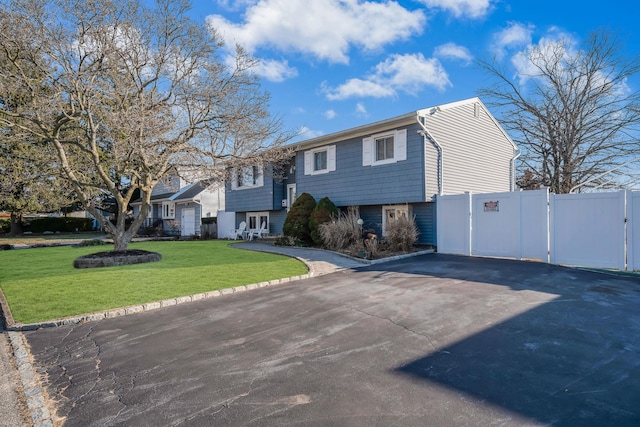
x,y
238,233
258,233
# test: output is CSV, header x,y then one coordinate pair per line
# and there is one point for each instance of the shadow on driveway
x,y
433,340
573,359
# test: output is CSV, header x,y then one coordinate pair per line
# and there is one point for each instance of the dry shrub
x,y
343,231
402,234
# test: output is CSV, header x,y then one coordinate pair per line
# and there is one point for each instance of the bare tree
x,y
570,109
124,92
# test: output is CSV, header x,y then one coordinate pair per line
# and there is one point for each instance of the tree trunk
x,y
120,240
16,223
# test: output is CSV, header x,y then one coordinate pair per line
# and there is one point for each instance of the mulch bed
x,y
113,258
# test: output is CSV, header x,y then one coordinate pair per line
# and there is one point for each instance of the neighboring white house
x,y
178,206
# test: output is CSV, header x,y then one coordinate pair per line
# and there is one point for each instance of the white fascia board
x,y
356,132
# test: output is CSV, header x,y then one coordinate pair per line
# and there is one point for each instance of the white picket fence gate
x,y
600,230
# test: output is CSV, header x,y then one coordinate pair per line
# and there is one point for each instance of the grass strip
x,y
41,284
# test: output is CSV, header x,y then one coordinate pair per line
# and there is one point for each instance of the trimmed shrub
x,y
296,225
322,213
60,224
5,226
402,234
342,231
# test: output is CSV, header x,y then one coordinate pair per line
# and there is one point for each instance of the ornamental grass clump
x,y
402,234
343,231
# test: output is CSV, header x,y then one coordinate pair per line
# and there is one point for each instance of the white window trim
x,y
168,210
259,181
309,160
290,200
399,148
257,215
403,208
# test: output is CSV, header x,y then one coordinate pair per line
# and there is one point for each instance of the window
x,y
320,160
384,148
247,177
168,210
256,219
392,213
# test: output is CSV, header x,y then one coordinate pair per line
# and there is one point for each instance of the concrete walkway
x,y
319,261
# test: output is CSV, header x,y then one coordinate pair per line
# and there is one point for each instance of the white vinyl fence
x,y
591,230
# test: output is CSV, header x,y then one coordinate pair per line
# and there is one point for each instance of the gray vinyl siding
x,y
354,184
425,214
476,153
253,199
276,221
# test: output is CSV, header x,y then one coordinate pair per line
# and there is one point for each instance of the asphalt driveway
x,y
434,340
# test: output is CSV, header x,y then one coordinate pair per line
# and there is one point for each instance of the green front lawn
x,y
41,284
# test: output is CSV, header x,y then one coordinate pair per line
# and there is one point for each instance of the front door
x,y
188,222
291,195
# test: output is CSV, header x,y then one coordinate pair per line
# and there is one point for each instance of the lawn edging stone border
x,y
148,306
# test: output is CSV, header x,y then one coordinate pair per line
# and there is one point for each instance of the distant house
x,y
178,206
390,168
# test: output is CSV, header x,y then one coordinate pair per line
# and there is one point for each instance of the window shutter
x,y
331,158
400,145
260,177
308,162
367,151
234,179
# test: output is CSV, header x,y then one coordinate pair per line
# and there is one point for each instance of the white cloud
x,y
514,36
306,133
405,73
324,29
462,8
453,51
275,71
361,110
329,114
528,61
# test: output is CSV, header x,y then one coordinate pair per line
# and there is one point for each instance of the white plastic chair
x,y
238,233
258,233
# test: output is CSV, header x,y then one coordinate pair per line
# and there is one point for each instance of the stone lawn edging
x,y
140,308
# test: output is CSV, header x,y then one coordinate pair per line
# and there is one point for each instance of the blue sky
x,y
331,65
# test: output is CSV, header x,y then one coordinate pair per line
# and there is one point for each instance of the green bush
x,y
61,224
324,211
296,225
5,226
209,220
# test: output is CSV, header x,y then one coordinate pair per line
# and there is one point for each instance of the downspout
x,y
427,136
516,154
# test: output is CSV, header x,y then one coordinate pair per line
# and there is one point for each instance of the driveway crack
x,y
395,323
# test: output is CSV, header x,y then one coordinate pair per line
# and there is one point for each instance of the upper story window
x,y
247,177
320,160
384,148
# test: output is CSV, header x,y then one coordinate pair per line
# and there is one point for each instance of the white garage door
x,y
188,222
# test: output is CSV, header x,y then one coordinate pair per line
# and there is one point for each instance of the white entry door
x,y
188,222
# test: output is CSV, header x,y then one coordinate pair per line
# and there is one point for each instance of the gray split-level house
x,y
388,168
